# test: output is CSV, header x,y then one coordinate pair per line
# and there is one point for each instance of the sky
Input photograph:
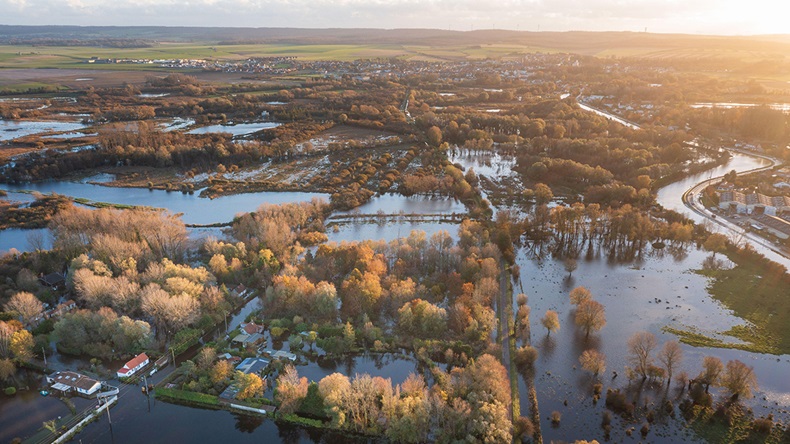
x,y
729,17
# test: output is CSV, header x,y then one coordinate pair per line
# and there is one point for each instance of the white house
x,y
135,364
73,382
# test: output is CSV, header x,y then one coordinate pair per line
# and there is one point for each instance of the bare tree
x,y
570,265
291,389
640,346
593,361
711,371
670,356
739,379
590,316
26,305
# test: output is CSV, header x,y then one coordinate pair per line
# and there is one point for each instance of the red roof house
x,y
252,328
133,366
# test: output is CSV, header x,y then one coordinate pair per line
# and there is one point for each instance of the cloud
x,y
717,16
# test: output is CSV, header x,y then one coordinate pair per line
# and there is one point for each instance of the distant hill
x,y
588,43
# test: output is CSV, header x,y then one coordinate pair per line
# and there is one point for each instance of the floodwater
x,y
729,105
241,129
389,231
24,413
396,203
14,129
21,238
608,116
655,291
193,208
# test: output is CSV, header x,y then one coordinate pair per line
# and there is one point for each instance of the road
x,y
765,247
771,251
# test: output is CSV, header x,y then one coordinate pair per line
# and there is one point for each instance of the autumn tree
x,y
715,243
26,305
205,358
590,316
220,371
593,361
522,323
543,193
22,345
579,295
434,135
739,379
640,347
670,357
551,321
291,389
248,385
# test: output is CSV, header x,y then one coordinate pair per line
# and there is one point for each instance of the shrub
x,y
10,391
645,429
555,417
617,402
523,427
763,425
607,419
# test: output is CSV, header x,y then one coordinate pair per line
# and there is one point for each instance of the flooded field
x,y
193,207
14,129
241,129
655,291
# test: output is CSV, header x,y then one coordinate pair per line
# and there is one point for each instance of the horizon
x,y
367,28
705,17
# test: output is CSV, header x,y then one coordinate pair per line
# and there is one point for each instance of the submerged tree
x,y
590,316
551,321
593,361
670,356
739,379
640,347
711,371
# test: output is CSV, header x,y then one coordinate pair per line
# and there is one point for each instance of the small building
x,y
280,354
72,382
133,366
55,281
253,365
240,291
252,328
161,362
233,360
245,340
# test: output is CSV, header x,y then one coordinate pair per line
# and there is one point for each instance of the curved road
x,y
668,195
762,245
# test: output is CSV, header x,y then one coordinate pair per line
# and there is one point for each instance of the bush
x,y
10,391
523,427
616,401
607,418
763,425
